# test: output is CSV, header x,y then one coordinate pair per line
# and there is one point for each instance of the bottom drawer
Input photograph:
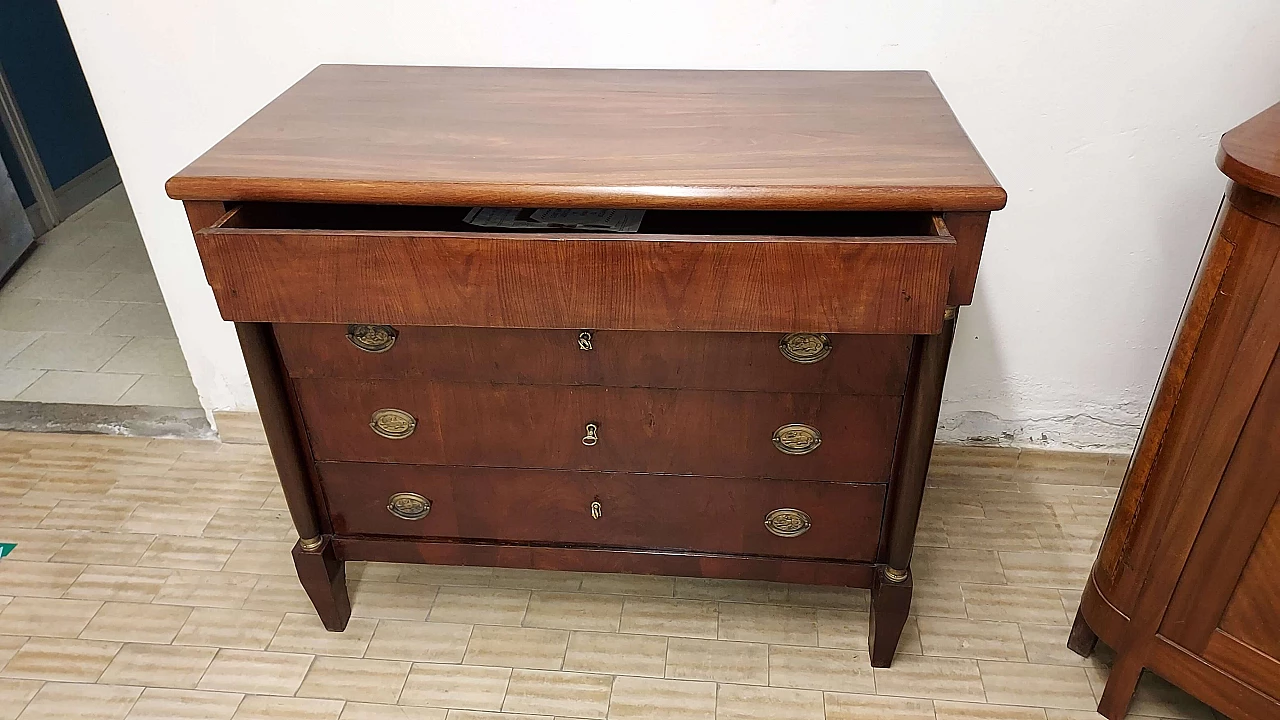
x,y
721,515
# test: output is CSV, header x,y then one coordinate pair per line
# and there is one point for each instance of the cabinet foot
x,y
1122,683
1082,639
890,605
324,577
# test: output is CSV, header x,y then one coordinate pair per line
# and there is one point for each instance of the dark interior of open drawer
x,y
309,216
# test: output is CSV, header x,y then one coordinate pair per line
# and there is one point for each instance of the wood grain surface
x,y
1250,153
601,138
652,512
660,431
857,364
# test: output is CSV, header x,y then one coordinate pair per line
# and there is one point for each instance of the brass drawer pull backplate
x,y
797,439
592,437
787,522
409,506
584,340
804,348
372,338
393,424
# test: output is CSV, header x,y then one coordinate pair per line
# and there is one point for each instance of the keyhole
x,y
584,340
596,510
591,438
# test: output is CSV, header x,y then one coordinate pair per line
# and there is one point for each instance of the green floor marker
x,y
6,548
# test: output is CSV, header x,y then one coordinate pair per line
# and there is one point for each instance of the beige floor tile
x,y
446,575
304,633
975,711
937,599
276,592
986,534
93,516
653,699
738,591
574,611
671,617
617,654
230,628
746,702
391,600
103,549
14,382
164,704
517,647
118,583
1054,686
262,558
524,579
827,596
12,343
958,565
188,553
206,589
931,677
783,625
846,706
162,391
977,639
59,701
623,584
19,578
9,644
845,629
168,519
93,388
253,672
68,351
419,641
1157,698
359,679
820,669
22,514
32,543
369,711
250,524
562,694
149,356
480,606
166,666
136,622
1014,604
61,659
46,617
48,315
717,660
466,687
1047,645
1045,569
139,320
286,708
14,696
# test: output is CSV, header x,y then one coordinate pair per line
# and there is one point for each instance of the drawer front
x,y
692,432
767,362
722,515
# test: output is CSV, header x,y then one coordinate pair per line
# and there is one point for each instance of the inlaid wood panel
x,y
639,430
856,364
1253,613
648,511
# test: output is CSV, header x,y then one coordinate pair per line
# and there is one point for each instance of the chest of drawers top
x,y
601,138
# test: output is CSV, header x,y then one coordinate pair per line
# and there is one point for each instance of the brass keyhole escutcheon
x,y
393,424
584,340
372,338
787,522
596,510
797,439
409,506
592,435
805,348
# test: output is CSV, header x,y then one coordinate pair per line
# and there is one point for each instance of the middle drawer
x,y
842,438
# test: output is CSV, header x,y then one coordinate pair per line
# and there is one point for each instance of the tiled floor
x,y
152,579
82,320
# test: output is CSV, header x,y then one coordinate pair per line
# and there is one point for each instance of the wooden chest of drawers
x,y
744,387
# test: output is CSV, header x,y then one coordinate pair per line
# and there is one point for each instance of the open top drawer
x,y
761,271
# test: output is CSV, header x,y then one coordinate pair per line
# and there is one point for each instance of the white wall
x,y
1100,117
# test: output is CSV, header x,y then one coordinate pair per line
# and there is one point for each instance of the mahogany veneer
x,y
1187,581
746,387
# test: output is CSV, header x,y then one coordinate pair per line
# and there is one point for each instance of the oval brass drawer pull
x,y
787,522
797,439
393,424
409,506
592,437
372,338
584,340
804,348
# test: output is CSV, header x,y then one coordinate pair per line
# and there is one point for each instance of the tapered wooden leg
x,y
890,604
324,577
1121,684
1082,639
